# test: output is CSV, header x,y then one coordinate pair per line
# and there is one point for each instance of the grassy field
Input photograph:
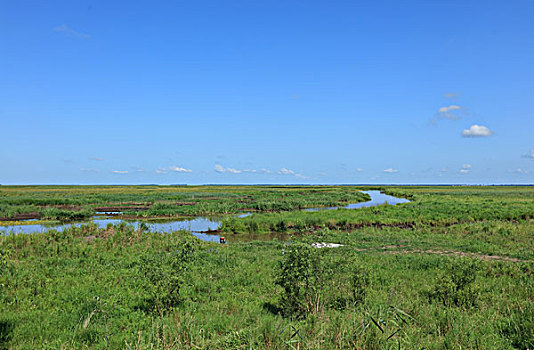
x,y
453,269
79,202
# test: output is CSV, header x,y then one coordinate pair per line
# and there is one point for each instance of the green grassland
x,y
79,202
453,269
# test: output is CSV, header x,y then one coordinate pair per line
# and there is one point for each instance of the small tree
x,y
165,274
301,277
3,267
456,287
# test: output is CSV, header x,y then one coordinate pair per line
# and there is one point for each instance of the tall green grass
x,y
387,287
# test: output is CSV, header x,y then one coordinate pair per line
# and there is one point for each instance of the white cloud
x,y
88,170
391,170
63,29
180,170
477,131
119,171
220,169
285,171
163,170
529,155
449,108
451,112
359,170
466,169
521,171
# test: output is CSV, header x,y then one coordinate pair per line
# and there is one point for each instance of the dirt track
x,y
403,250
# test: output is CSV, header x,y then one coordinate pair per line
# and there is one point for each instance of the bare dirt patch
x,y
402,249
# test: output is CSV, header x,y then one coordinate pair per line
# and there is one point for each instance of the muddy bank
x,y
23,216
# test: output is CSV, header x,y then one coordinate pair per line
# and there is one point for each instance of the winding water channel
x,y
197,226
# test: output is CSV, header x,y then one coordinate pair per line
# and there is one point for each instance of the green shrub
x,y
456,286
3,267
300,277
313,280
166,272
3,261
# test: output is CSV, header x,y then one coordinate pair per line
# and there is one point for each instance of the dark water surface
x,y
197,226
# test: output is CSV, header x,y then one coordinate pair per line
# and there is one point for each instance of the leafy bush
x,y
312,280
3,267
166,272
3,262
456,286
301,278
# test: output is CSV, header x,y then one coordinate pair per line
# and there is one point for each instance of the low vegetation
x,y
80,202
452,269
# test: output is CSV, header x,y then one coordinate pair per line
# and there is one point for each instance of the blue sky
x,y
266,92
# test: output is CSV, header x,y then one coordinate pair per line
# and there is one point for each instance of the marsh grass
x,y
79,202
90,288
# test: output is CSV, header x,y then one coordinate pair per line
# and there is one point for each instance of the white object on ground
x,y
326,245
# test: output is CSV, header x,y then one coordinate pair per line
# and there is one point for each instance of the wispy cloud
x,y
391,170
450,112
177,169
477,131
96,159
65,30
521,171
451,95
529,155
465,169
220,169
89,170
359,170
285,171
180,169
119,171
